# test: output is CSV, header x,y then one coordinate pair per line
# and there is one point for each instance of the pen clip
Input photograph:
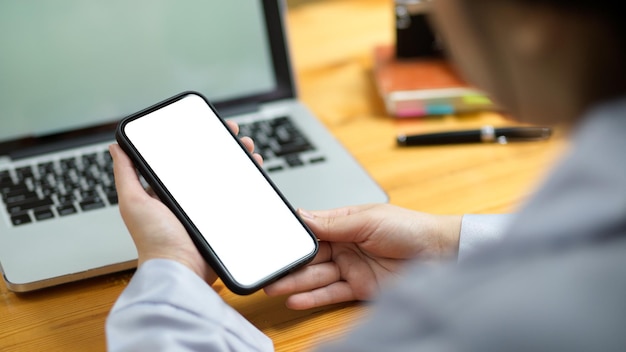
x,y
488,134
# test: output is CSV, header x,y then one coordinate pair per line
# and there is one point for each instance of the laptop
x,y
69,70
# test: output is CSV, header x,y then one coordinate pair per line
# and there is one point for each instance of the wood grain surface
x,y
331,43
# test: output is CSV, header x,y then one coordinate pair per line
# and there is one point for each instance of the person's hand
x,y
156,231
362,246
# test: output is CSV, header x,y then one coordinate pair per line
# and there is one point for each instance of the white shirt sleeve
x,y
480,230
166,307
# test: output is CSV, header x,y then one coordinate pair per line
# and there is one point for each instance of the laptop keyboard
x,y
59,187
281,144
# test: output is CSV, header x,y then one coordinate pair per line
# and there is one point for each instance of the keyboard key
x,y
293,160
317,160
45,168
274,168
67,164
112,198
66,198
88,194
4,173
43,214
90,159
13,189
18,196
280,121
91,204
24,172
298,146
31,203
48,191
5,179
66,209
20,219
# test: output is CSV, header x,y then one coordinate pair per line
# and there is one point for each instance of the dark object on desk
x,y
414,34
487,134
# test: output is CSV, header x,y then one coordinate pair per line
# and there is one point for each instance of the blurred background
x,y
292,3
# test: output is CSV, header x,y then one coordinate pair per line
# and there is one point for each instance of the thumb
x,y
348,224
125,174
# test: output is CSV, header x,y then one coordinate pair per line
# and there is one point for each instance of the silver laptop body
x,y
71,69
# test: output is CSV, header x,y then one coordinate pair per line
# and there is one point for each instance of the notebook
x,y
416,87
71,69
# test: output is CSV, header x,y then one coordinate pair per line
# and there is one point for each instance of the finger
x,y
126,179
248,143
331,294
308,278
343,211
258,158
234,127
348,224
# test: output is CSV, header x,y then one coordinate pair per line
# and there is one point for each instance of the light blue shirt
x,y
479,231
167,307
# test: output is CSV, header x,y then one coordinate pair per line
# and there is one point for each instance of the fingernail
x,y
306,215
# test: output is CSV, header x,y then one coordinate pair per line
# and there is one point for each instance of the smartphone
x,y
238,219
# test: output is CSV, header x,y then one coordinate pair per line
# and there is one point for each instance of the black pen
x,y
487,134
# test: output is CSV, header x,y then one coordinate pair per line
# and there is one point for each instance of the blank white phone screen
x,y
246,223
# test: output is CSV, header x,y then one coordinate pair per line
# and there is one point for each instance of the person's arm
x,y
480,230
167,307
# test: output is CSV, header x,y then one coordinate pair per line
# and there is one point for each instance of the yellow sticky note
x,y
476,100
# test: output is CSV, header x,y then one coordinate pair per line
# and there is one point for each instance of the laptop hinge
x,y
62,145
239,109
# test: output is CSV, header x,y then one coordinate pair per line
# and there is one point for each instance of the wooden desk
x,y
332,42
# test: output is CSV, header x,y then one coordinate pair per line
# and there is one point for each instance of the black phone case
x,y
201,244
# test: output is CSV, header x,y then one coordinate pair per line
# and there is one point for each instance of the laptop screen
x,y
69,64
